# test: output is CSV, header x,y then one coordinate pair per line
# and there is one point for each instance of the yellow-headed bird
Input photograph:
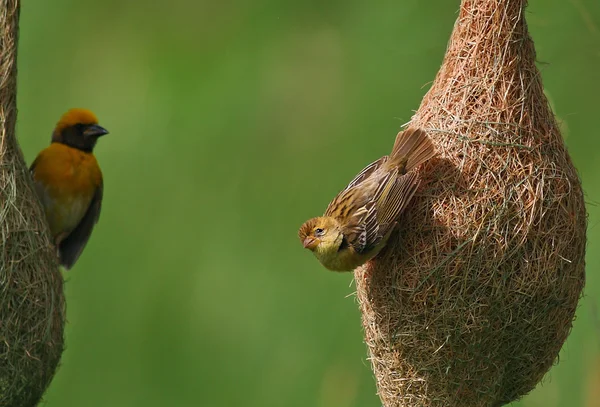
x,y
69,183
361,218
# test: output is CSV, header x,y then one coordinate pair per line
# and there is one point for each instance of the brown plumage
x,y
360,219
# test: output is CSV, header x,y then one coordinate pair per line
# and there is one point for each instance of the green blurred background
x,y
231,123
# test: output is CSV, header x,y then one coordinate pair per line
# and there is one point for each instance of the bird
x,y
68,182
360,219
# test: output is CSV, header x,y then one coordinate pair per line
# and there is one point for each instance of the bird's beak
x,y
310,242
95,131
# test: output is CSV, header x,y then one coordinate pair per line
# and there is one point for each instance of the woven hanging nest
x,y
32,307
472,300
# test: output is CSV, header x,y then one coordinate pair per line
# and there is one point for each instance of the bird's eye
x,y
318,231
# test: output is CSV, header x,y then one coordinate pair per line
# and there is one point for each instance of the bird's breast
x,y
345,259
66,180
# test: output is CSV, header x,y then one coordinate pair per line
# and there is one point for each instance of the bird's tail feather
x,y
412,148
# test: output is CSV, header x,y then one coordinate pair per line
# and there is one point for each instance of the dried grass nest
x,y
32,307
471,302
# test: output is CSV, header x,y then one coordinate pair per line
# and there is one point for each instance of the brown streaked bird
x,y
359,221
68,181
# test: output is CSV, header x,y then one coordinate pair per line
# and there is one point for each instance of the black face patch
x,y
73,136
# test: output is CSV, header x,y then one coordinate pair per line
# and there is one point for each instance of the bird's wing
x,y
367,172
357,230
392,203
376,219
350,197
71,247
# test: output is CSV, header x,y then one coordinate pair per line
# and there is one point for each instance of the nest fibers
x,y
472,300
31,289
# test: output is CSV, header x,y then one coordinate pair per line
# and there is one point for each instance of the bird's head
x,y
78,128
321,234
